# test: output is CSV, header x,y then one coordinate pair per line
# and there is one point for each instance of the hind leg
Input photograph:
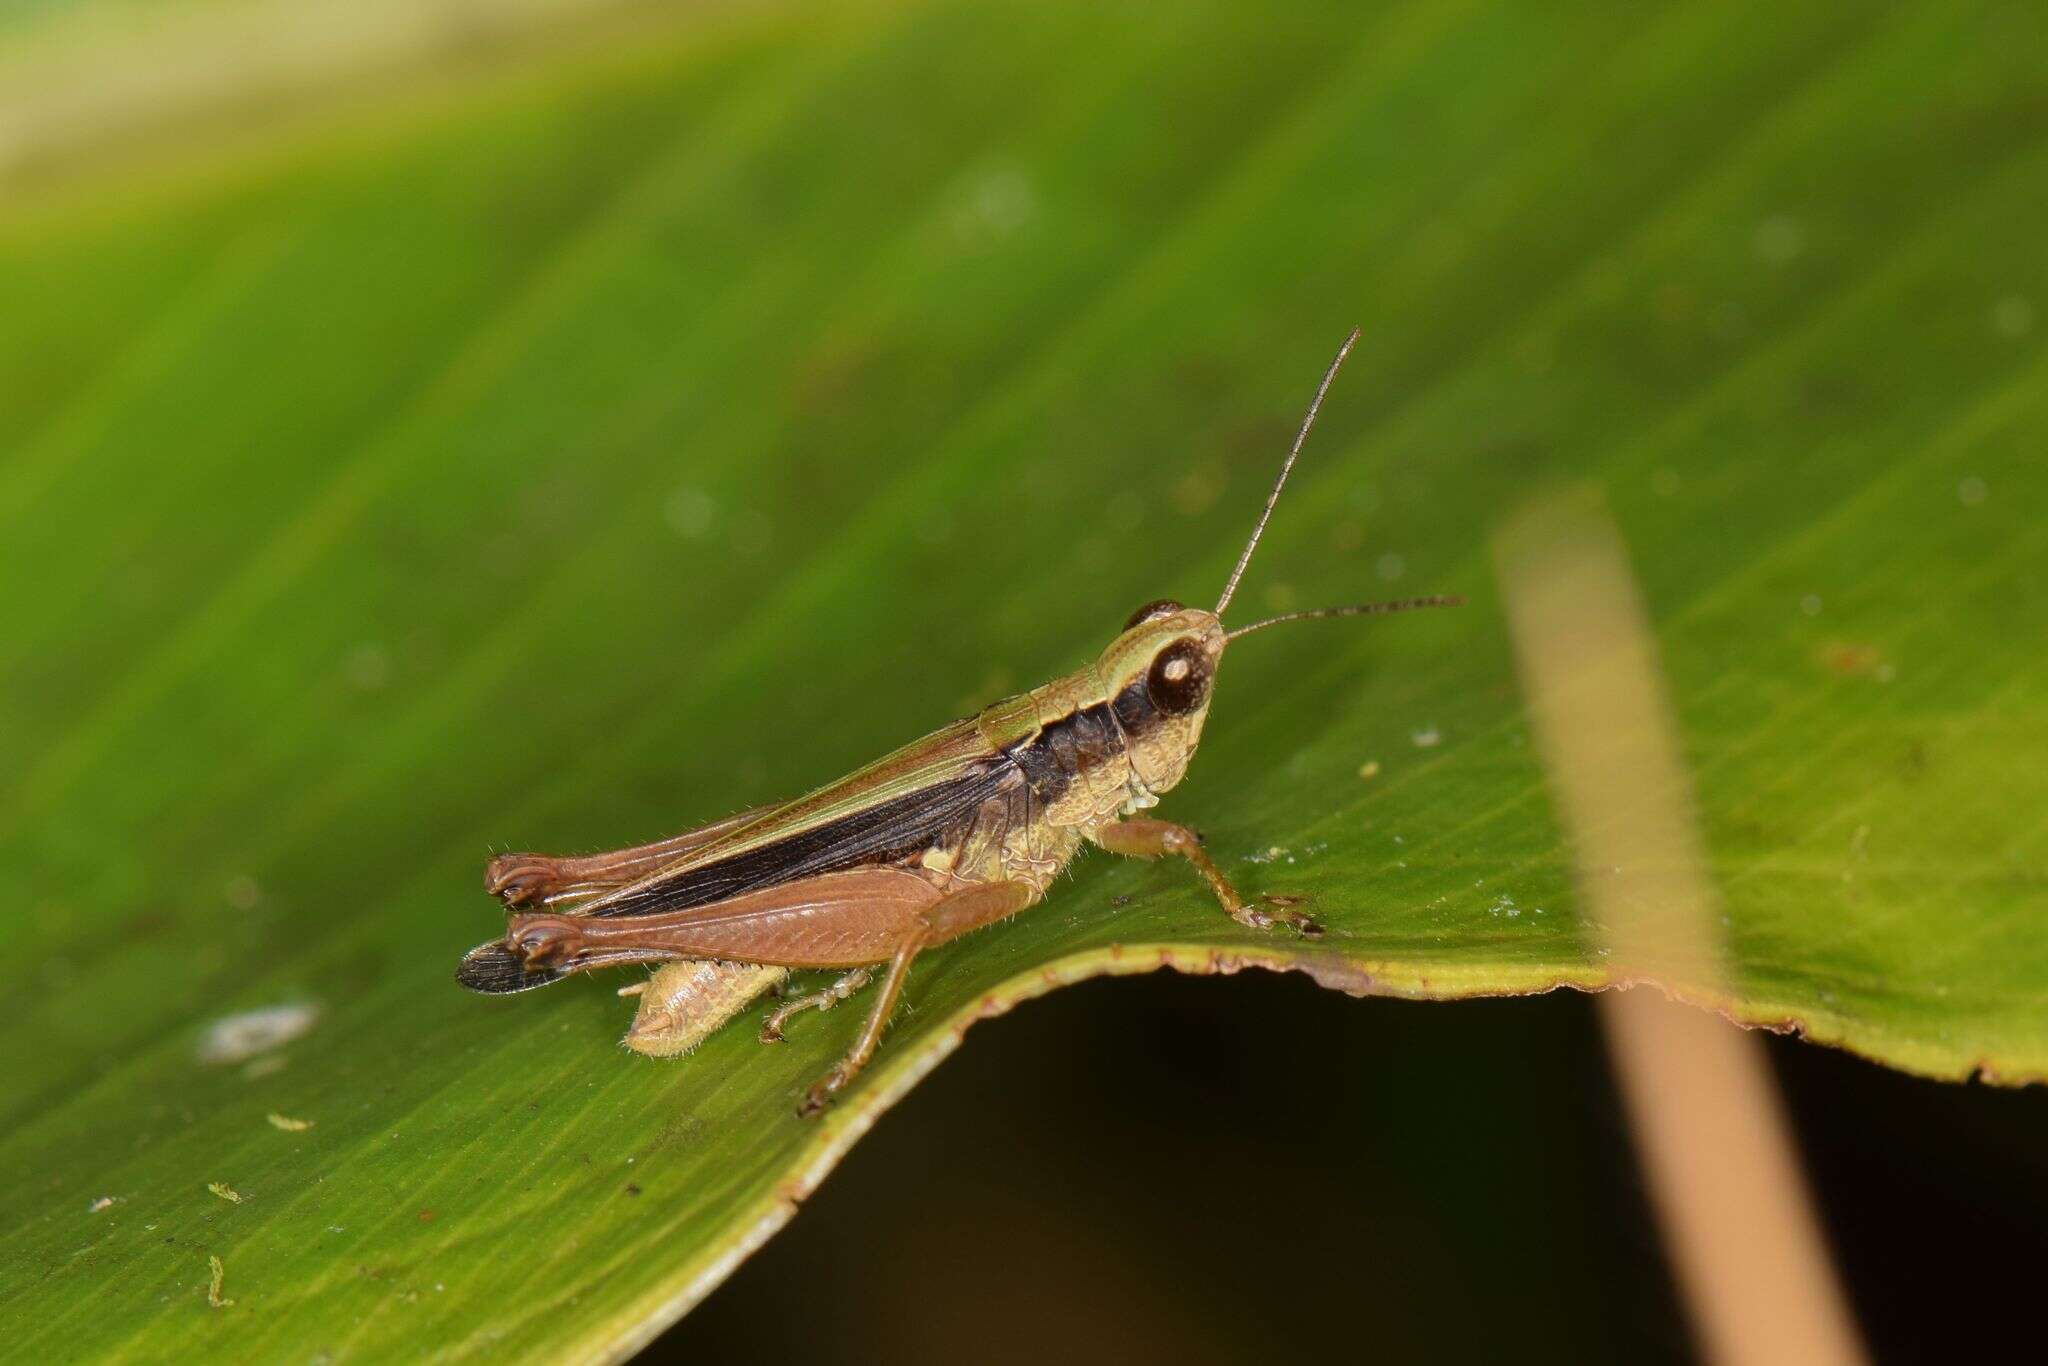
x,y
543,880
956,914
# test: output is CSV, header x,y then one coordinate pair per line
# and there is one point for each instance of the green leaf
x,y
560,455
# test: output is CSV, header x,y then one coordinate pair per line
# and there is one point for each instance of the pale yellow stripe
x,y
1750,1256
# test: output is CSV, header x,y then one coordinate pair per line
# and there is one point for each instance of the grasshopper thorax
x,y
1158,675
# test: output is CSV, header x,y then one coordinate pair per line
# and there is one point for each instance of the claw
x,y
820,1095
771,1028
1284,912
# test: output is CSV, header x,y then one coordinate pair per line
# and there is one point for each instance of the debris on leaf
x,y
220,1274
225,1192
102,1203
237,1038
290,1126
1855,659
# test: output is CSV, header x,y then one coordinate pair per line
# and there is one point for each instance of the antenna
x,y
1280,483
1363,609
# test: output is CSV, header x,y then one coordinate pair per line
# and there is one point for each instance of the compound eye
x,y
1179,678
1152,611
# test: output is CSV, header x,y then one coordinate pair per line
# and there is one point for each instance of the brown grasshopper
x,y
961,829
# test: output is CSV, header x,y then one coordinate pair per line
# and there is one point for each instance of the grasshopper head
x,y
1159,674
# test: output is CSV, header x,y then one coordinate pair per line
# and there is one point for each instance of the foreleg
x,y
1151,839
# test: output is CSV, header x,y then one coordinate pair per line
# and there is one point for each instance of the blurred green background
x,y
428,430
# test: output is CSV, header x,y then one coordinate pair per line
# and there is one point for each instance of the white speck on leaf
x,y
997,201
1778,240
239,1037
2013,316
690,512
367,667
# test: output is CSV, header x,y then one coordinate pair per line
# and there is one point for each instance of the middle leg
x,y
771,1028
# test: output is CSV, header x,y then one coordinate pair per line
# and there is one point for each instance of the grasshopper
x,y
966,827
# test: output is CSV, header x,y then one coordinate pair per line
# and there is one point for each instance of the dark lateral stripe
x,y
1076,744
903,827
1134,710
1048,781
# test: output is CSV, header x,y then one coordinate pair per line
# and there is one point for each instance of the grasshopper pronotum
x,y
963,828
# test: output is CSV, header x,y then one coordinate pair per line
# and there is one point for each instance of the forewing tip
x,y
495,970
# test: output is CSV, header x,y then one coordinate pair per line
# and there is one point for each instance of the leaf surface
x,y
591,449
